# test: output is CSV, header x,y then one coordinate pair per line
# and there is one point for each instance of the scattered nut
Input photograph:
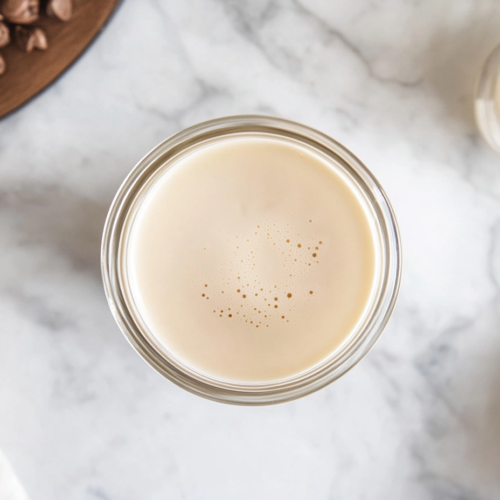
x,y
4,35
20,11
3,66
29,38
62,9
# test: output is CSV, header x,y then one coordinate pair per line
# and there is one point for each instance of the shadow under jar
x,y
251,260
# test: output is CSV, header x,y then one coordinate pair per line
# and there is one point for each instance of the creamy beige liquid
x,y
252,259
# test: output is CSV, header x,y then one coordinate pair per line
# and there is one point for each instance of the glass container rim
x,y
243,393
487,119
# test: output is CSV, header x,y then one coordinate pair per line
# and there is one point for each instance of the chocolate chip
x,y
62,9
20,11
41,42
4,35
29,38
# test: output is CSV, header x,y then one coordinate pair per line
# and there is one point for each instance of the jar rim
x,y
487,92
251,393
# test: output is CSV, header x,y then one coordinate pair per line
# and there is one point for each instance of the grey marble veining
x,y
82,417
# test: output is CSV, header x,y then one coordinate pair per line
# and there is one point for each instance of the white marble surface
x,y
83,417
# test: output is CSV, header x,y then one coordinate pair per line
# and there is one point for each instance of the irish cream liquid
x,y
252,259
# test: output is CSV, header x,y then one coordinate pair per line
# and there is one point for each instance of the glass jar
x,y
487,100
133,191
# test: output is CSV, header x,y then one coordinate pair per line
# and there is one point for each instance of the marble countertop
x,y
83,417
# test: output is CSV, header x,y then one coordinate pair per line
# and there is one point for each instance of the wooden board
x,y
28,74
